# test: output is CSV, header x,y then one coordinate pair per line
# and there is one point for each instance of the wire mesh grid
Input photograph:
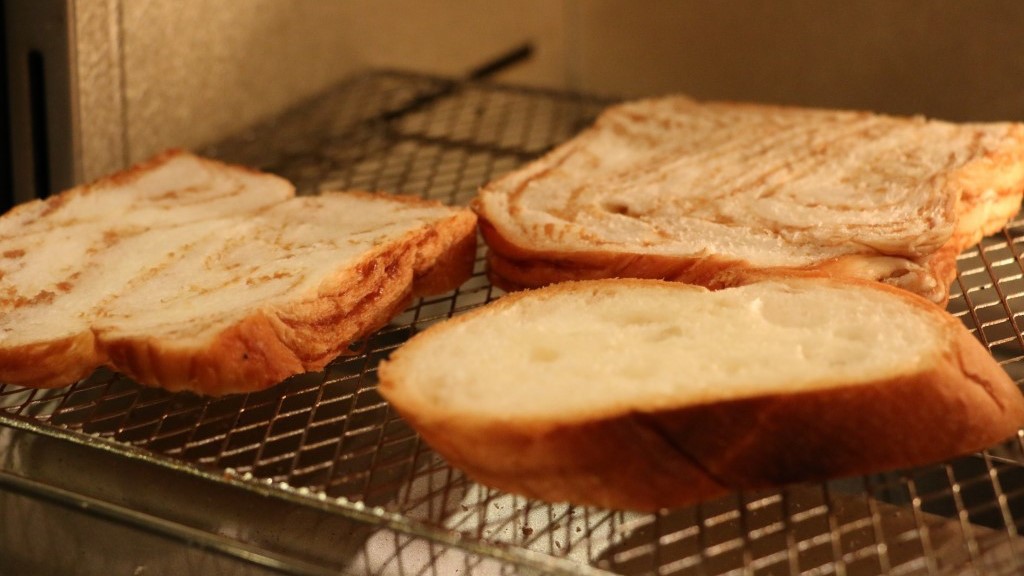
x,y
331,434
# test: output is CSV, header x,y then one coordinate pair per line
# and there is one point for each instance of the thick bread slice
x,y
283,292
703,192
642,394
61,257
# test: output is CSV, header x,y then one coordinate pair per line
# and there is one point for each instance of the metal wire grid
x,y
332,435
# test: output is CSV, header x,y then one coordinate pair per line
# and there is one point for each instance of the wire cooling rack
x,y
329,444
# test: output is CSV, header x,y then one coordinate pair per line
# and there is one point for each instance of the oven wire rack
x,y
328,444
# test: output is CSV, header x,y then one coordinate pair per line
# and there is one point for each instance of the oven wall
x,y
943,58
153,74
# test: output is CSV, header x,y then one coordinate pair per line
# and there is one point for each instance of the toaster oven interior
x,y
319,476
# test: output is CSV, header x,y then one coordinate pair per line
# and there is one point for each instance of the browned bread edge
x,y
512,267
51,364
268,346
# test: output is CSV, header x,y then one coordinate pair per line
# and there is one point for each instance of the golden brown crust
x,y
132,173
440,271
650,459
511,267
247,354
948,410
991,190
269,345
532,269
51,364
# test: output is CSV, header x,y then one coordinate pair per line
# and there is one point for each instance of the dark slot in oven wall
x,y
39,125
6,185
37,102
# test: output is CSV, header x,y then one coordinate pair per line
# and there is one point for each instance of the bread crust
x,y
634,459
986,204
53,363
511,268
272,343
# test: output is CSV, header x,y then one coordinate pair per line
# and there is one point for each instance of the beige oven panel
x,y
158,73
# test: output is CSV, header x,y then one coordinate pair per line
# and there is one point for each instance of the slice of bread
x,y
63,256
189,274
283,292
642,394
705,192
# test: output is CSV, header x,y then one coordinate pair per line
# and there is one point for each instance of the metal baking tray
x,y
319,476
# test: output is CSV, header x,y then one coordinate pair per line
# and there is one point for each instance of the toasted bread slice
x,y
705,192
643,394
282,292
190,274
61,257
